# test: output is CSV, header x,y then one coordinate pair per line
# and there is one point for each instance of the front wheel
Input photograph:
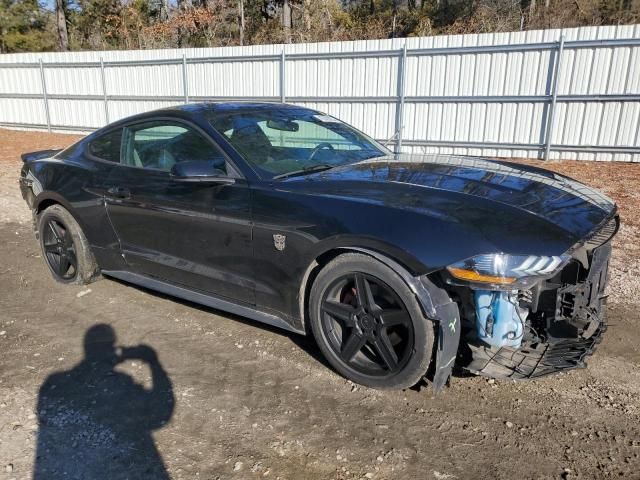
x,y
368,323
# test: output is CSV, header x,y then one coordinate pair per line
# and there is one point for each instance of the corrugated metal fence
x,y
556,93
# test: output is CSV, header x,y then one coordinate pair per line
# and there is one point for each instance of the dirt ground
x,y
253,402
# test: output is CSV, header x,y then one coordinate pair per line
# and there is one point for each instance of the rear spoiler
x,y
31,156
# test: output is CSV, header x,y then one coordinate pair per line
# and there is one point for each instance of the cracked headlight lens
x,y
505,269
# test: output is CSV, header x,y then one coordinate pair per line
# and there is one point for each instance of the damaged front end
x,y
526,316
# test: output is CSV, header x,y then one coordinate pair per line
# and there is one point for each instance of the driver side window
x,y
160,145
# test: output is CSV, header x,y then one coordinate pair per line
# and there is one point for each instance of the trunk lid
x,y
39,155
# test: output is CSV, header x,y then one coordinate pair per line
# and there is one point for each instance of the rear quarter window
x,y
107,146
70,151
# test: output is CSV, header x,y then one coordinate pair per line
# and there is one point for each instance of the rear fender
x,y
39,155
46,198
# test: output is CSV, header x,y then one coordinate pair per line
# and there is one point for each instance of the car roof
x,y
239,107
202,108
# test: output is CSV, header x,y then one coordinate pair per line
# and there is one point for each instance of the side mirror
x,y
199,171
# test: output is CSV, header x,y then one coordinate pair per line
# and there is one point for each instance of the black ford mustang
x,y
401,266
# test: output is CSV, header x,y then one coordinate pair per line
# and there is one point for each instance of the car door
x,y
193,234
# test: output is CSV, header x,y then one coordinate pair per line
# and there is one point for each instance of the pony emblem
x,y
279,241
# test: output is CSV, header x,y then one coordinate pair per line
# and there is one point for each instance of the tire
x,y
344,321
61,237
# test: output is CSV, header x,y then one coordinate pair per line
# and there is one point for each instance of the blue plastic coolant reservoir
x,y
498,321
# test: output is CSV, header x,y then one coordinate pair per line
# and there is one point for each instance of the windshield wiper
x,y
305,171
375,155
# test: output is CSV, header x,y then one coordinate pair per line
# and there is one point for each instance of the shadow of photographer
x,y
96,422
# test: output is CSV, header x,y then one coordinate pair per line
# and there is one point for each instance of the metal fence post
x,y
104,92
44,96
554,95
283,60
402,66
185,79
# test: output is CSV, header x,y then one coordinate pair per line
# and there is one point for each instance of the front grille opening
x,y
565,323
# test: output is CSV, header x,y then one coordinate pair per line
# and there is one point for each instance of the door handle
x,y
119,192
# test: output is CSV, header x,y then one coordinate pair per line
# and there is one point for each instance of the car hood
x,y
410,181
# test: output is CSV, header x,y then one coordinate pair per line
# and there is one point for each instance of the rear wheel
x,y
368,323
65,248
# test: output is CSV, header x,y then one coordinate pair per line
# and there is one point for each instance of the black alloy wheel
x,y
59,249
65,247
367,324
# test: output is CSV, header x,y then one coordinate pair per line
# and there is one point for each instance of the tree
x,y
61,25
23,27
132,24
241,20
286,20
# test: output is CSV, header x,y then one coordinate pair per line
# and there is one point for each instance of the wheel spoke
x,y
391,318
54,230
352,346
67,241
383,347
71,256
63,266
51,248
363,292
339,311
54,261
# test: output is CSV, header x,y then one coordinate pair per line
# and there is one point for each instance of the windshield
x,y
277,141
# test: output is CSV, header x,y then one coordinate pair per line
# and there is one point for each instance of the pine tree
x,y
23,27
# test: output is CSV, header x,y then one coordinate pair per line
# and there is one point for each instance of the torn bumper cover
x,y
575,307
535,361
440,308
448,317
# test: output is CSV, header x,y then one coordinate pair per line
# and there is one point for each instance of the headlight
x,y
501,269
